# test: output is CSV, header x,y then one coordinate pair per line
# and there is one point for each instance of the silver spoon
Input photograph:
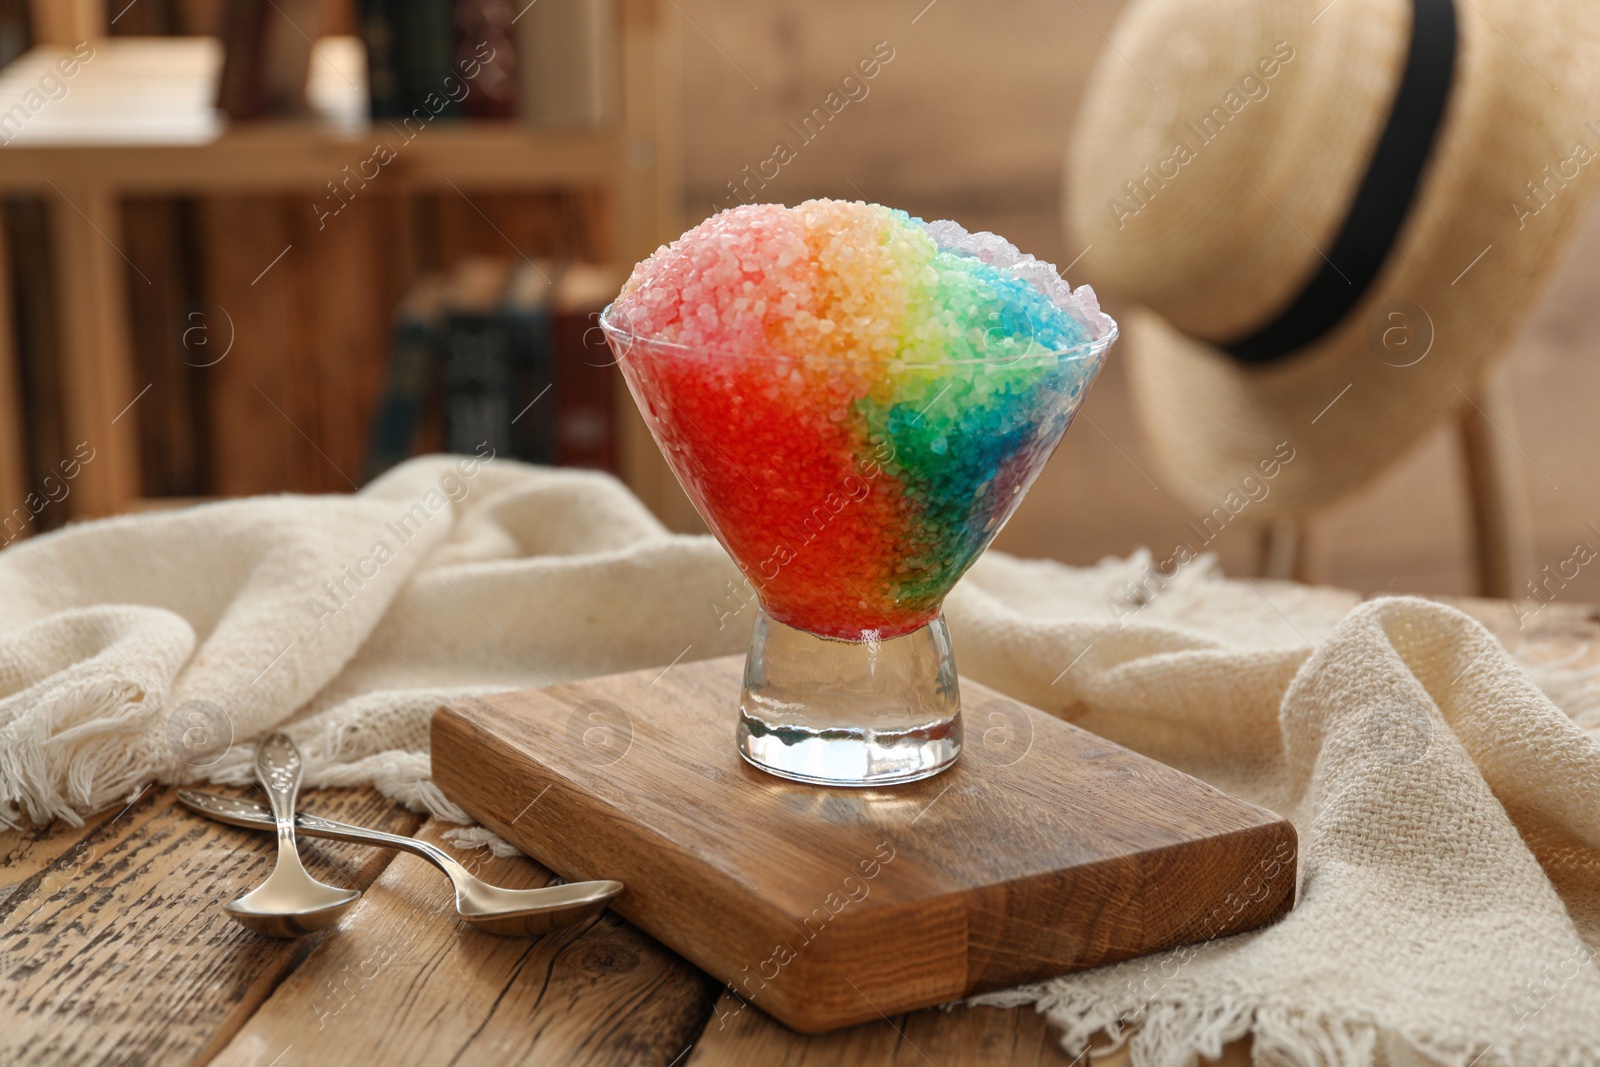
x,y
290,902
508,912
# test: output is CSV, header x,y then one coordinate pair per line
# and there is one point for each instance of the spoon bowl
x,y
290,902
490,908
288,907
530,912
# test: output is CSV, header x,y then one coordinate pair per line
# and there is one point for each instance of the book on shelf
x,y
527,308
512,357
477,358
486,57
413,339
412,67
266,57
570,58
380,34
554,63
585,369
15,37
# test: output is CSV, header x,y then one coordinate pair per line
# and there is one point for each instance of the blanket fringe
x,y
72,753
1175,1031
468,837
1181,1026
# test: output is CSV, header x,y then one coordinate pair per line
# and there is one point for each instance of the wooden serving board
x,y
1044,850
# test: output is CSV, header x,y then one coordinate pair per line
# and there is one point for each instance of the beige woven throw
x,y
1448,809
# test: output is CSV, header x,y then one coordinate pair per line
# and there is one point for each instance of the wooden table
x,y
113,950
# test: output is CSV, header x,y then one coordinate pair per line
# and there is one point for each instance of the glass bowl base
x,y
848,758
849,713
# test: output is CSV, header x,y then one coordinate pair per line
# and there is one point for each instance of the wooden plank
x,y
739,1034
956,1037
132,957
13,449
1234,1054
345,300
258,434
140,114
271,156
96,360
291,405
61,849
406,983
36,325
829,906
170,341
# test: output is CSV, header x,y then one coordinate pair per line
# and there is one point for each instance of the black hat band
x,y
1383,199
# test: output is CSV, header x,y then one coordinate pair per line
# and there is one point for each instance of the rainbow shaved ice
x,y
855,399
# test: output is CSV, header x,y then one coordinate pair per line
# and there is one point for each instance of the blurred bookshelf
x,y
139,124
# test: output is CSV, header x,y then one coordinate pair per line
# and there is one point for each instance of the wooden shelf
x,y
139,114
276,156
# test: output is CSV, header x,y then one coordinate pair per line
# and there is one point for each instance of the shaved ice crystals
x,y
854,399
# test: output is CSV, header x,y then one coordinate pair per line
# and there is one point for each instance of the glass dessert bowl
x,y
853,493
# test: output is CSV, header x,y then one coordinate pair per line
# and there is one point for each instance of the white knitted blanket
x,y
1448,810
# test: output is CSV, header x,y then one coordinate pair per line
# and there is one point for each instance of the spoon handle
x,y
338,831
248,813
278,769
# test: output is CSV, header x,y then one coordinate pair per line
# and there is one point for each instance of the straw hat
x,y
1333,222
